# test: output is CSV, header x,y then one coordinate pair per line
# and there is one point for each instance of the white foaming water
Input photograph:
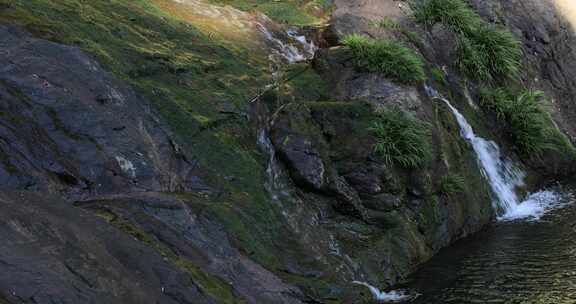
x,y
536,205
503,176
309,47
500,172
381,296
289,52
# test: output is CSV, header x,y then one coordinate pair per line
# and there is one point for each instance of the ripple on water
x,y
528,258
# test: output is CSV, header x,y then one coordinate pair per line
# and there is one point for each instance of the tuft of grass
x,y
531,128
389,58
402,139
438,75
484,51
489,54
456,14
496,100
452,184
387,23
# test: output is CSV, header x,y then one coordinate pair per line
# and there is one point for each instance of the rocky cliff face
x,y
133,169
71,129
548,41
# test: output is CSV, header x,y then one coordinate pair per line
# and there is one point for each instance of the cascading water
x,y
388,297
289,51
501,174
503,177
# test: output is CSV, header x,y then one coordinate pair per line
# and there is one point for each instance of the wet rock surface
x,y
52,252
67,126
190,238
71,132
299,142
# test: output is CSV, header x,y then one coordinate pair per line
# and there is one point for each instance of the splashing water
x,y
309,47
500,172
537,205
288,51
381,296
504,178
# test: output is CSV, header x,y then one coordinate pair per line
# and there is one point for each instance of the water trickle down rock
x,y
503,176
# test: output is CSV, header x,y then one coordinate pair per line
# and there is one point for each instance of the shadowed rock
x,y
54,253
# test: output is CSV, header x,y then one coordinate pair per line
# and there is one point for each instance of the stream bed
x,y
525,261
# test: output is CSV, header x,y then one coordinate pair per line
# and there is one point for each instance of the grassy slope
x,y
187,76
296,12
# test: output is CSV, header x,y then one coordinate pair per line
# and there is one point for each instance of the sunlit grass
x,y
388,57
293,12
485,52
216,22
529,125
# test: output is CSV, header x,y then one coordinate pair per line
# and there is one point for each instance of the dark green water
x,y
512,262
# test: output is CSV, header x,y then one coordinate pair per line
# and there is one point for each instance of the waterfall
x,y
503,176
500,172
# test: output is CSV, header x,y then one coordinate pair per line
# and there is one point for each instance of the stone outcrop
x,y
67,126
72,132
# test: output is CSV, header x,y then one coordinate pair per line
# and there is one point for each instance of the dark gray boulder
x,y
68,126
52,252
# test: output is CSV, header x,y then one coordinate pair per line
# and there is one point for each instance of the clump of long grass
x,y
390,58
489,54
528,123
452,184
402,139
484,52
456,14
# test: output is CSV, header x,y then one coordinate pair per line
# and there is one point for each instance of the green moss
x,y
390,58
186,75
305,84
